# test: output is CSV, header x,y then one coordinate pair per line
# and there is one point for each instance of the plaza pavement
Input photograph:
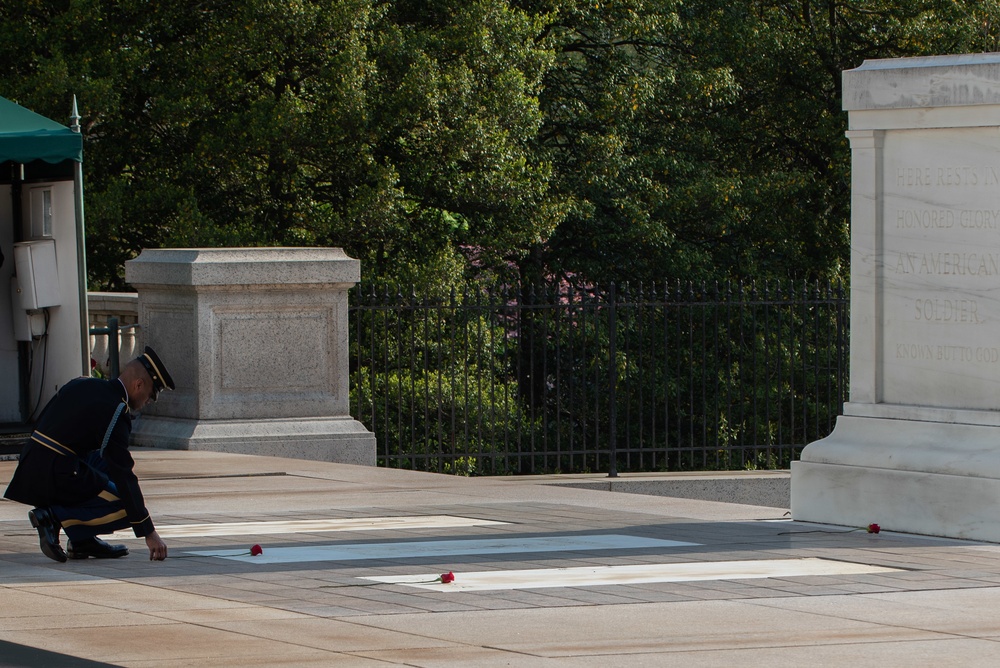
x,y
701,598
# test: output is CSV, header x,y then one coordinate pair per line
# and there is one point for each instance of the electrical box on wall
x,y
24,327
37,274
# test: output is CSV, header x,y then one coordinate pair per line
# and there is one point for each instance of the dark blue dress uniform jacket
x,y
52,469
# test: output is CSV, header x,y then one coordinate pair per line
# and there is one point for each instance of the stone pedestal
x,y
256,341
918,446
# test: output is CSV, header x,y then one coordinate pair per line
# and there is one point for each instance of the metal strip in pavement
x,y
442,548
588,576
310,526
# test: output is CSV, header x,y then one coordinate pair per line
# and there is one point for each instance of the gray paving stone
x,y
935,611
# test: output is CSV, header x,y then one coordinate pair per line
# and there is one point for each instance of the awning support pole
x,y
81,250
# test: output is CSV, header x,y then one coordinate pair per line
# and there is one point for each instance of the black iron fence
x,y
563,379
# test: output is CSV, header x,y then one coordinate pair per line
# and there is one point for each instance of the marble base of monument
x,y
918,446
931,478
340,440
257,342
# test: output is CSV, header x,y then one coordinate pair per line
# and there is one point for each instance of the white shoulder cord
x,y
114,419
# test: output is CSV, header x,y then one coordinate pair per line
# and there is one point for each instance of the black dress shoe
x,y
48,533
96,548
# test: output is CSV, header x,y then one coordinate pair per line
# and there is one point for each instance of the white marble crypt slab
x,y
594,576
310,526
441,548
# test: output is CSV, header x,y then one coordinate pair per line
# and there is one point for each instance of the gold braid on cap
x,y
157,375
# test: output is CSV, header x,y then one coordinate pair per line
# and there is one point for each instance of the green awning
x,y
26,136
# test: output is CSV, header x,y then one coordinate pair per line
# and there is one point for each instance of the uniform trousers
x,y
101,514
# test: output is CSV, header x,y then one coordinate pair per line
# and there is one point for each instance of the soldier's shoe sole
x,y
116,552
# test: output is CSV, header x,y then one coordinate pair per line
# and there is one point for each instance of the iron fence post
x,y
114,350
613,384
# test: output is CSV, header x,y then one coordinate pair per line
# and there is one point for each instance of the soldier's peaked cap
x,y
151,361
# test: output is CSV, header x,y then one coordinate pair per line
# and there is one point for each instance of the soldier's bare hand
x,y
157,548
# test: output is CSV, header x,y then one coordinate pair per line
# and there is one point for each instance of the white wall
x,y
57,357
61,351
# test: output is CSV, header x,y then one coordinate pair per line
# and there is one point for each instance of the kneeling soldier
x,y
77,470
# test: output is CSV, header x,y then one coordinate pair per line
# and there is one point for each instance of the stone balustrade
x,y
121,305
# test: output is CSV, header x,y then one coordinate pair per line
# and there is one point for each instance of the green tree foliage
x,y
639,139
618,106
446,143
782,138
706,139
400,131
455,113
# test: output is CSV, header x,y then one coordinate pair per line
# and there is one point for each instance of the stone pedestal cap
x,y
915,83
242,266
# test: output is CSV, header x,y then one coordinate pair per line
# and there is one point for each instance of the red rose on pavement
x,y
255,550
447,577
871,528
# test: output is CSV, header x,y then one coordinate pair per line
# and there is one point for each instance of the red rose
x,y
93,364
255,550
874,528
447,577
